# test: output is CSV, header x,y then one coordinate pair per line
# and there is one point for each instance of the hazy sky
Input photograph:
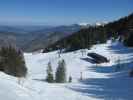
x,y
57,12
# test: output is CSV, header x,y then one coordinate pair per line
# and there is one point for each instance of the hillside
x,y
52,35
95,34
101,82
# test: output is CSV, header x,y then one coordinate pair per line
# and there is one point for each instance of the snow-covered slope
x,y
10,89
100,82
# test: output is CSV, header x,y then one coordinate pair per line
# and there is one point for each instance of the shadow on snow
x,y
106,88
120,49
116,87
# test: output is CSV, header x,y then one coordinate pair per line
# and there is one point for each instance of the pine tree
x,y
81,77
49,77
61,72
118,65
12,61
70,79
129,40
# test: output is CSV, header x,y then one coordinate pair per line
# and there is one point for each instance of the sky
x,y
62,12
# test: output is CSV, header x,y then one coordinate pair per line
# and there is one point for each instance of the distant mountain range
x,y
22,28
31,38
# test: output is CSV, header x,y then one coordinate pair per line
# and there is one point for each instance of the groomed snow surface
x,y
100,82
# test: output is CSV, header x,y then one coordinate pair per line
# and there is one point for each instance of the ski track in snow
x,y
100,82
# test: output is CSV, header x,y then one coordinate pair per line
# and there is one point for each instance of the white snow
x,y
100,82
84,24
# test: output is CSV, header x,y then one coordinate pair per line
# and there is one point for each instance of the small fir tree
x,y
118,65
81,77
49,77
61,72
70,79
